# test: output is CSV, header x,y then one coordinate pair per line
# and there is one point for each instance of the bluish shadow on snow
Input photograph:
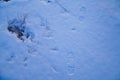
x,y
6,78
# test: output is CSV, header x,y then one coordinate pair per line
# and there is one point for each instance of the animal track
x,y
70,64
71,70
10,59
82,9
34,49
25,61
81,18
55,49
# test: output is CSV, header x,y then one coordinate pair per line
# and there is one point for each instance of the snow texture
x,y
60,40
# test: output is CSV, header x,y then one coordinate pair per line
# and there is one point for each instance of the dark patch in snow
x,y
18,26
6,78
5,0
73,29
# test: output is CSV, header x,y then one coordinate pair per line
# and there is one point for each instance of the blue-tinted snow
x,y
73,40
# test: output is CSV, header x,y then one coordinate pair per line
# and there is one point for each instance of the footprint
x,y
47,34
10,59
25,59
82,9
45,2
70,64
32,52
71,70
54,49
70,55
81,18
25,62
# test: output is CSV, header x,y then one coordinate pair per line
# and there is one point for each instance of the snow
x,y
72,40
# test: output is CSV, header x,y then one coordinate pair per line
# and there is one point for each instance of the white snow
x,y
73,40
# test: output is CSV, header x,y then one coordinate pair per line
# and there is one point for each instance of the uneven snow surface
x,y
71,40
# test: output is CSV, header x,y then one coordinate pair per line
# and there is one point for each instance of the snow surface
x,y
73,40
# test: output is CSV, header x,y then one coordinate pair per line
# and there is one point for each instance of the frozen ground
x,y
73,40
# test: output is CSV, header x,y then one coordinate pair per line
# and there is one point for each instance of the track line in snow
x,y
33,49
69,12
70,64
